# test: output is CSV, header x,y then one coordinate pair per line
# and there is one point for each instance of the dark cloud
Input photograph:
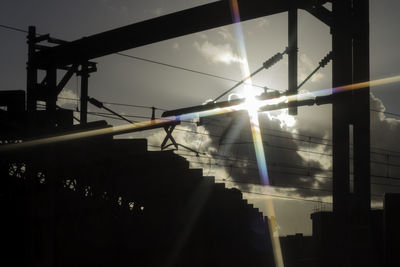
x,y
299,159
287,168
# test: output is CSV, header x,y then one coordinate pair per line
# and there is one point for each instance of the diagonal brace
x,y
66,78
321,13
169,129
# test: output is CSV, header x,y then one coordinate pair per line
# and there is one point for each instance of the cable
x,y
266,65
157,62
116,104
385,112
266,143
321,64
273,164
284,187
172,66
198,72
163,109
13,28
286,197
264,134
184,69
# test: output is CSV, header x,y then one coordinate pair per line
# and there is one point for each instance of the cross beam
x,y
173,25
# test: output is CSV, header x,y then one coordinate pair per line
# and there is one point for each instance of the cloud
x,y
225,34
176,46
263,22
220,53
202,35
67,99
196,138
298,158
306,66
385,156
117,6
235,151
159,11
301,159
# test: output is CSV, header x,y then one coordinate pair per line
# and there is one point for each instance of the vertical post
x,y
31,82
350,44
361,106
51,97
153,113
293,51
361,120
341,75
84,92
31,75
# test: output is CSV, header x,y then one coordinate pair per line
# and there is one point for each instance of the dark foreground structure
x,y
319,250
101,201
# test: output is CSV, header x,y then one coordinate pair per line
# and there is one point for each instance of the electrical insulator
x,y
325,60
95,102
274,59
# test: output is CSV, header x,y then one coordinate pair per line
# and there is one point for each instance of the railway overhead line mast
x,y
348,21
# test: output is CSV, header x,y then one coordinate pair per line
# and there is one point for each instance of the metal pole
x,y
31,70
361,121
84,92
341,109
51,96
292,38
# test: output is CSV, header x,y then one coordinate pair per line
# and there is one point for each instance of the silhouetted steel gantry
x,y
348,21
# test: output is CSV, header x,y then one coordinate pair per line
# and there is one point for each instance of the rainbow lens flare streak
x,y
140,126
251,105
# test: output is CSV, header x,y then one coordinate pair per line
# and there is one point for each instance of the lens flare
x,y
158,123
252,105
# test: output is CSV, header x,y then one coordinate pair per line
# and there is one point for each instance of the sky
x,y
303,163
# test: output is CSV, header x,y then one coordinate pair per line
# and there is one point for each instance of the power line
x,y
184,69
288,187
13,28
286,197
155,62
106,115
385,112
210,75
190,70
116,104
274,164
251,142
296,174
268,134
173,66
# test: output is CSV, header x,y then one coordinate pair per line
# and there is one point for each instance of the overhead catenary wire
x,y
13,28
264,128
154,61
285,165
182,68
117,104
250,142
285,186
285,197
266,65
169,65
186,69
4,26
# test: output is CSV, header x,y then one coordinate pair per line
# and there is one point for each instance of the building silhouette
x,y
319,250
100,201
